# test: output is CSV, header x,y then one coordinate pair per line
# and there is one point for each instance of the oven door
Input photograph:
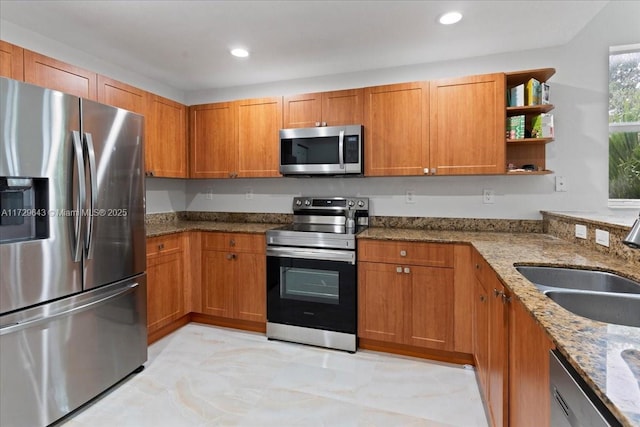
x,y
314,288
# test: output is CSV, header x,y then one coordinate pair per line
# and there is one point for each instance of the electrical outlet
x,y
561,184
210,193
581,231
488,196
602,237
248,195
410,196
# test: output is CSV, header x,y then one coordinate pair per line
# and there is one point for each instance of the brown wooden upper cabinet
x,y
467,125
11,61
235,139
396,129
259,124
165,138
57,75
121,95
342,107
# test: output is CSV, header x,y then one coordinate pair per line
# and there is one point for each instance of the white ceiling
x,y
185,44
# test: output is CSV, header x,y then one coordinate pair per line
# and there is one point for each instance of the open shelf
x,y
544,172
529,141
529,109
520,77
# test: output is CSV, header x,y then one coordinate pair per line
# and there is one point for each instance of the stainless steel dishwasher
x,y
573,403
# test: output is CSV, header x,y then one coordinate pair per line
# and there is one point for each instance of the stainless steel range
x,y
312,273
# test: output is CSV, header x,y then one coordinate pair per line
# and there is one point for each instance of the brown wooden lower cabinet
x,y
234,276
511,352
529,346
166,281
405,303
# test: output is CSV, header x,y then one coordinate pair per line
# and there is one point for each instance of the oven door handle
x,y
314,254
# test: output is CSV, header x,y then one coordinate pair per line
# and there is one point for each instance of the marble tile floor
x,y
203,376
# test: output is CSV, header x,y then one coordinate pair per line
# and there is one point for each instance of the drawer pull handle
x,y
403,253
407,270
161,246
231,256
232,242
398,269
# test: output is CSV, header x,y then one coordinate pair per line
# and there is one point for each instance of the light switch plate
x,y
581,231
602,237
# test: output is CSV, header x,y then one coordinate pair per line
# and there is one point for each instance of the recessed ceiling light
x,y
240,53
450,18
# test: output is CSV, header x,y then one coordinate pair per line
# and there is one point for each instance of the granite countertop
x,y
155,230
607,356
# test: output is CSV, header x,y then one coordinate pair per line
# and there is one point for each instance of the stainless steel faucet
x,y
633,238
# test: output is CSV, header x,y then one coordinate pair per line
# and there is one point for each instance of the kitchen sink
x,y
621,309
571,278
596,295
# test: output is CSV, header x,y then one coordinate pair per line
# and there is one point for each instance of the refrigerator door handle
x,y
93,176
76,220
46,317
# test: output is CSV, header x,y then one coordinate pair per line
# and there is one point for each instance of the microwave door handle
x,y
341,149
93,176
76,220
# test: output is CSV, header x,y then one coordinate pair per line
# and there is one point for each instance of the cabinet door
x,y
529,346
213,140
259,124
343,107
381,302
53,74
481,335
11,61
302,111
165,301
166,138
250,287
467,125
218,276
498,353
430,300
121,95
396,119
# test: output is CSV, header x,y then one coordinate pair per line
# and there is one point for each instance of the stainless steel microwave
x,y
329,150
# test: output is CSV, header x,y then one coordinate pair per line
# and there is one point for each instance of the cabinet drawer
x,y
237,242
164,244
414,253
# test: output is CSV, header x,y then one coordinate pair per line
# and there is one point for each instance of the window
x,y
624,126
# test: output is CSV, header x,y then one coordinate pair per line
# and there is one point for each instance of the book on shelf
x,y
532,92
515,96
542,126
544,93
515,127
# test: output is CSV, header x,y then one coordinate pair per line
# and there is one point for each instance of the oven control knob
x,y
307,202
351,203
360,203
298,202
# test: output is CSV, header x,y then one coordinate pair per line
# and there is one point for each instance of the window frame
x,y
623,127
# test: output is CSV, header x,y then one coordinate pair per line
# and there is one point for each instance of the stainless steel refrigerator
x,y
72,251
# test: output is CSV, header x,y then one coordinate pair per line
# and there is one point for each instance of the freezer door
x,y
60,355
36,142
115,238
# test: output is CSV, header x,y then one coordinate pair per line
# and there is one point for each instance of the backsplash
x,y
563,227
458,224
